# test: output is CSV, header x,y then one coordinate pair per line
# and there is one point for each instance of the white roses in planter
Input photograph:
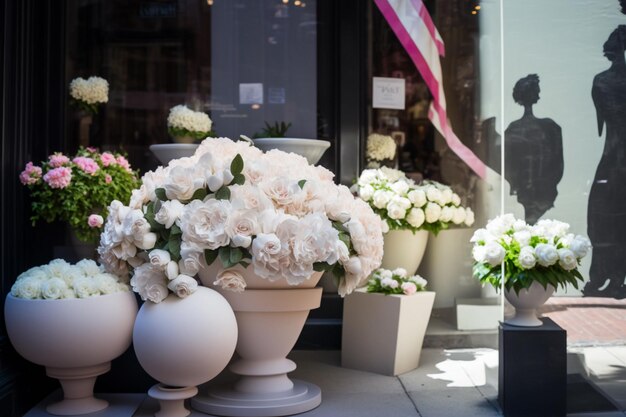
x,y
405,205
272,212
59,280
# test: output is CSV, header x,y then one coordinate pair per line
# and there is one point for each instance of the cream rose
x,y
169,213
230,280
417,197
416,217
53,289
183,286
159,258
567,259
432,212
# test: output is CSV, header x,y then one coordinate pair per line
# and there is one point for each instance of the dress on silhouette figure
x,y
606,214
533,154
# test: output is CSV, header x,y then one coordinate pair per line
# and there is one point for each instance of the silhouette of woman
x,y
533,154
606,215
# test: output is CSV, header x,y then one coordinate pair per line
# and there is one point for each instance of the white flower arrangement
x,y
88,94
272,212
546,253
380,147
61,280
404,205
183,121
397,281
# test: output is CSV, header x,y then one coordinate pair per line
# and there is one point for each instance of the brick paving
x,y
589,321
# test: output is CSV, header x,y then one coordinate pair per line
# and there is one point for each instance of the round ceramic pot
x,y
270,316
75,339
404,249
183,343
526,304
311,149
165,152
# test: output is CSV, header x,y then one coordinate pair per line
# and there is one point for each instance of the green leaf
x,y
174,243
236,255
236,167
160,193
224,253
223,193
238,179
199,194
322,266
210,256
301,183
175,230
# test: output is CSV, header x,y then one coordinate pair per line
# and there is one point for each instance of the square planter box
x,y
384,333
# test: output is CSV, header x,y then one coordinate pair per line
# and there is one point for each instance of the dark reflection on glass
x,y
533,154
606,215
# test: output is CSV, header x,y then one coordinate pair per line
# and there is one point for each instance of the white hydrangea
x,y
94,90
380,147
182,117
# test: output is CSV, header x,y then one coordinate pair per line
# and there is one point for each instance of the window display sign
x,y
388,93
251,93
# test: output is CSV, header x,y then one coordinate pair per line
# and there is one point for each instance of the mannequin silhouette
x,y
606,215
533,154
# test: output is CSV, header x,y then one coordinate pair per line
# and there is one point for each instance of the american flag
x,y
412,24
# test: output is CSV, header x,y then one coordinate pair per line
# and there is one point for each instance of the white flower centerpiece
x,y
72,319
186,125
537,259
411,210
240,219
87,94
379,149
397,281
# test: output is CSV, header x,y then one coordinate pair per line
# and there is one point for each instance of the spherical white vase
x,y
404,249
165,152
270,321
183,343
526,304
311,149
75,339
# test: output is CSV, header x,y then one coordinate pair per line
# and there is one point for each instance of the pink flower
x,y
107,159
91,149
95,220
31,174
88,165
409,288
108,179
58,177
123,162
58,159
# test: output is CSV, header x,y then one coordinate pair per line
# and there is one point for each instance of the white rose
x,y
446,196
89,267
230,280
385,273
395,211
393,284
159,258
181,183
150,283
419,281
522,237
381,198
386,282
417,197
169,212
400,187
353,266
203,223
479,252
155,291
432,212
183,286
494,253
459,215
84,287
527,257
171,270
580,245
28,288
567,259
366,192
400,272
267,252
456,200
240,226
546,254
433,194
446,214
469,217
106,283
68,294
53,289
416,217
190,262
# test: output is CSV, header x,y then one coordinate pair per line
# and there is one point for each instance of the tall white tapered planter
x,y
404,249
270,317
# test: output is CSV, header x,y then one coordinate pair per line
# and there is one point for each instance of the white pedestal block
x,y
478,313
384,333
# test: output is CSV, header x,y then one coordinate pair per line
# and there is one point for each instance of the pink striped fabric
x,y
417,33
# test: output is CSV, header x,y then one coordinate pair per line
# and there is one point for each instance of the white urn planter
x,y
75,339
183,343
165,152
384,333
526,304
270,317
311,149
404,249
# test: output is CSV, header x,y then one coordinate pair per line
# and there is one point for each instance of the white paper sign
x,y
388,93
251,93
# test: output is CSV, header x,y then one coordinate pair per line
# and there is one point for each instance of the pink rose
x,y
88,165
123,162
409,288
58,177
58,159
91,149
107,159
108,179
95,220
31,174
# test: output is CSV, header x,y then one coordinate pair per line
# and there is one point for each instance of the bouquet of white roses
x,y
380,148
183,121
397,281
405,205
546,253
232,203
87,94
59,280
